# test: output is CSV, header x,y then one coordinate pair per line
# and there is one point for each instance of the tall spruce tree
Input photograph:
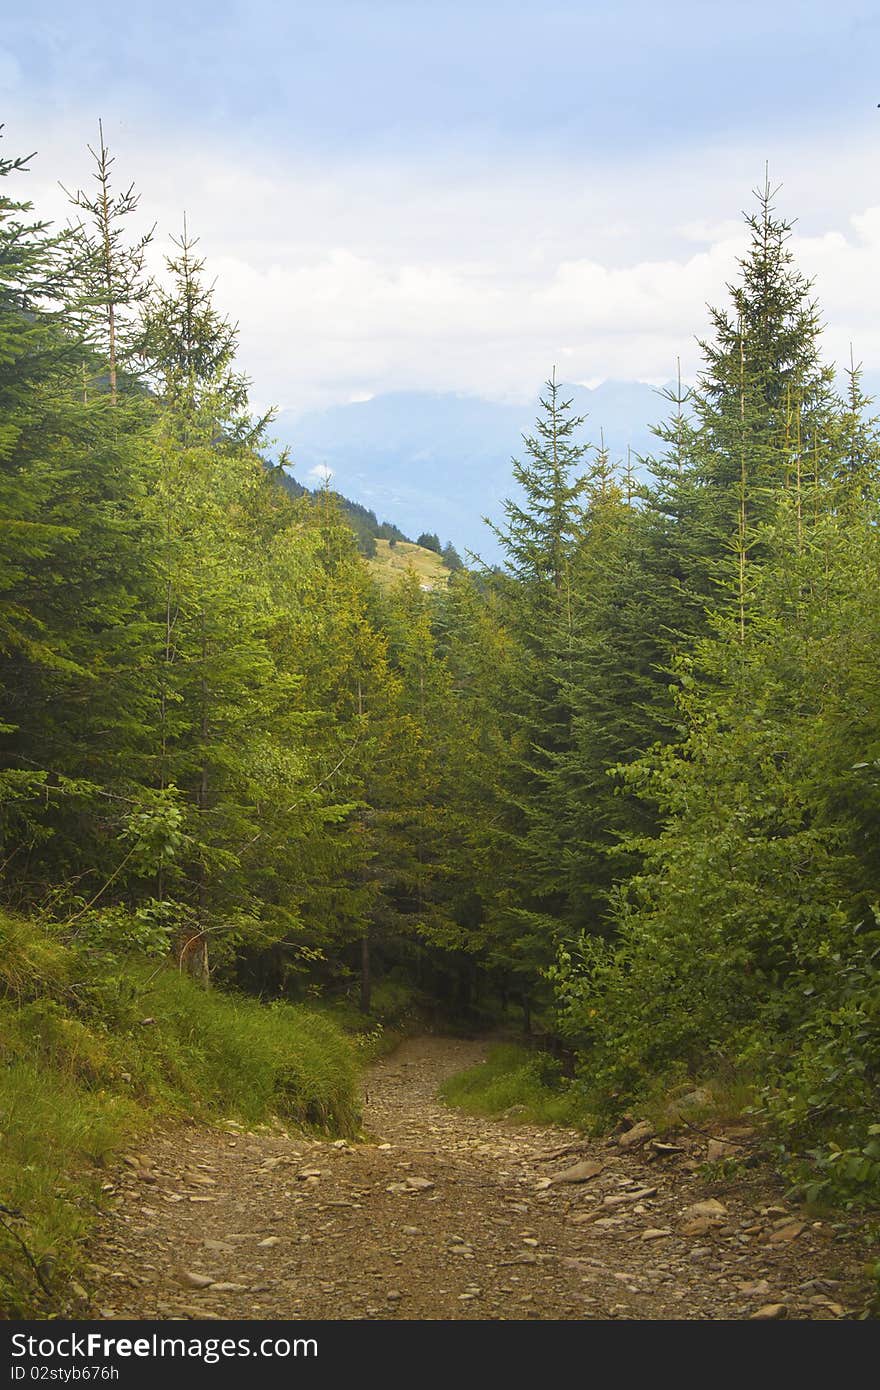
x,y
541,530
764,402
74,600
31,352
615,690
107,271
736,937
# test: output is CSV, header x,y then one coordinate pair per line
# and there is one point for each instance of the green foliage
x,y
529,1084
153,829
150,929
451,558
95,1049
106,270
821,1096
539,536
738,940
428,540
632,776
31,962
362,520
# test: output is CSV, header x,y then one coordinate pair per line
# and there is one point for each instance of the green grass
x,y
512,1076
82,1073
218,1053
392,561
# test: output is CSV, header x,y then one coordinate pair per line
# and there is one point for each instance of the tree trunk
x,y
366,982
195,958
464,989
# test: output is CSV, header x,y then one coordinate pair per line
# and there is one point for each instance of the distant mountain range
x,y
441,462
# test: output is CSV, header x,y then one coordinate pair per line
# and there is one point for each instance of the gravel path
x,y
445,1215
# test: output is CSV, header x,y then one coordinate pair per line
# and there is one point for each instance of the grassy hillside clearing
x,y
392,561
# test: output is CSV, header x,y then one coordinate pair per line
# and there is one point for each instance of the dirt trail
x,y
446,1215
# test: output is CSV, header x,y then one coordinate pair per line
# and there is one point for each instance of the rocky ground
x,y
445,1215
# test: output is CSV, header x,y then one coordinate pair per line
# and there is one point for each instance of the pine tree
x,y
616,691
540,533
451,558
30,350
74,566
214,672
764,403
107,267
538,530
751,893
190,348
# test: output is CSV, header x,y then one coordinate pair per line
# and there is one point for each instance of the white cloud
x,y
321,473
352,280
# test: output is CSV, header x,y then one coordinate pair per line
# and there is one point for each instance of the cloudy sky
x,y
404,194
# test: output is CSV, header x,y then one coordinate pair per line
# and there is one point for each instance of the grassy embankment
x,y
531,1084
94,1052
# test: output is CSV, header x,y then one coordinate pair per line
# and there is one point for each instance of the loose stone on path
x,y
448,1215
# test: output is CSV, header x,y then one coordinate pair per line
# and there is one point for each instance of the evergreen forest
x,y
621,793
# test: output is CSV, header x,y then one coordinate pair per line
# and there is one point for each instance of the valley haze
x,y
439,461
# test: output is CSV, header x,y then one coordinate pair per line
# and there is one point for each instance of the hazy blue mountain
x,y
441,462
